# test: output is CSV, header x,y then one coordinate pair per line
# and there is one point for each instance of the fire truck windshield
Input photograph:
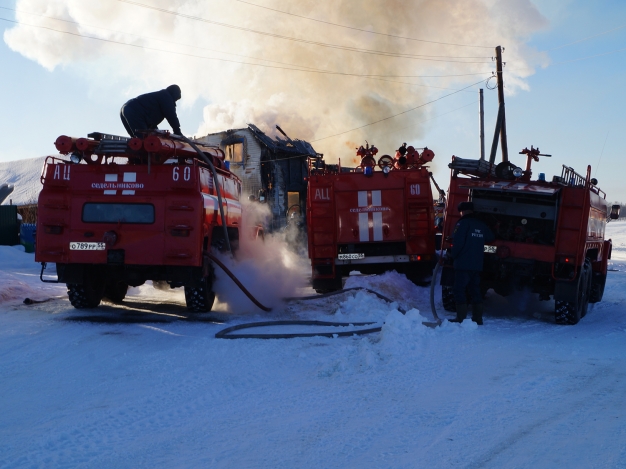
x,y
118,213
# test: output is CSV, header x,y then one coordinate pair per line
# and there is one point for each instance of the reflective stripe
x,y
128,192
130,177
110,178
362,199
376,198
364,229
110,192
378,225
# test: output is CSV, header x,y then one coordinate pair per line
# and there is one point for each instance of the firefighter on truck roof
x,y
148,110
469,238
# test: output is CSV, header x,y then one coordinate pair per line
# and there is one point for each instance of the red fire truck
x,y
549,233
123,211
376,217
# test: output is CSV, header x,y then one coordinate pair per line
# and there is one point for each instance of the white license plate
x,y
491,249
80,246
356,255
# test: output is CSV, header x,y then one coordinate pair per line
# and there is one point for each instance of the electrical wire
x,y
396,115
324,72
303,41
205,48
586,38
394,130
588,57
364,30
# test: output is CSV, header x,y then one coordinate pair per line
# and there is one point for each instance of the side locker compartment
x,y
572,221
183,231
419,217
322,241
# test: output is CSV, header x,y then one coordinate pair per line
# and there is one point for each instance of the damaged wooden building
x,y
272,170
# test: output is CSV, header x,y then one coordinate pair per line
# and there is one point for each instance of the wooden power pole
x,y
503,142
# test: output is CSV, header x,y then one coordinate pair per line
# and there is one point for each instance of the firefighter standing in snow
x,y
469,238
148,110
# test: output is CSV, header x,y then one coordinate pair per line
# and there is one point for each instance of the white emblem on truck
x,y
111,186
364,211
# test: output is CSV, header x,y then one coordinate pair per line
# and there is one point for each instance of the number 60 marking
x,y
186,173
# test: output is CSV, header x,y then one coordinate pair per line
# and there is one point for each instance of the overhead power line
x,y
589,37
207,49
395,130
589,57
184,54
364,30
396,115
302,41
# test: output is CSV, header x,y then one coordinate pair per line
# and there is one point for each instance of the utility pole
x,y
503,142
481,123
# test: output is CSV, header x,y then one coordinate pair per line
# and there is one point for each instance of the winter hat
x,y
174,91
466,206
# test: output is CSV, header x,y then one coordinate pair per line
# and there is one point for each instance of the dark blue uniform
x,y
148,111
468,245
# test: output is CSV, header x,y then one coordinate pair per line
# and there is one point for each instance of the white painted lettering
x,y
322,194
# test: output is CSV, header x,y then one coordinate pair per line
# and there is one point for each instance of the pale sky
x,y
565,69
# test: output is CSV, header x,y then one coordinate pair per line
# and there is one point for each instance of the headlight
x,y
517,172
386,169
75,158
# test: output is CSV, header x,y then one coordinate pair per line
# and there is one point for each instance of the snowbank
x,y
24,175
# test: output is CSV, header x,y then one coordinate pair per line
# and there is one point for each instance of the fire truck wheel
x,y
447,298
598,281
115,292
570,312
85,296
200,299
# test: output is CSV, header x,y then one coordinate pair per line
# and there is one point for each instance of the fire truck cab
x,y
549,233
376,217
122,211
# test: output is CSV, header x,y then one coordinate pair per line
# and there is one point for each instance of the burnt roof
x,y
278,145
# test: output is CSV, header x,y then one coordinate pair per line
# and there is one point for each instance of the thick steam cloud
x,y
221,65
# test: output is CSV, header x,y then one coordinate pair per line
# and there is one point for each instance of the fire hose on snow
x,y
228,332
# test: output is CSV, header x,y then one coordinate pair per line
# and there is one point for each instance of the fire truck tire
x,y
85,296
115,292
200,299
598,280
570,312
447,298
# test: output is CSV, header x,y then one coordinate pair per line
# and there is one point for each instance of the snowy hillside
x,y
146,385
24,176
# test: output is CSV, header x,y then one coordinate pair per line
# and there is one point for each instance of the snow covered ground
x,y
146,385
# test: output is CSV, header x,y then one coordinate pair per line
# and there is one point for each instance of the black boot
x,y
461,312
477,313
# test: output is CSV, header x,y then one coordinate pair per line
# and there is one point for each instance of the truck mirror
x,y
615,212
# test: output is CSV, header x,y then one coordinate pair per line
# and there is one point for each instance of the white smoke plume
x,y
268,267
307,105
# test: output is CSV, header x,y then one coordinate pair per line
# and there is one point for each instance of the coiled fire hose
x,y
228,332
